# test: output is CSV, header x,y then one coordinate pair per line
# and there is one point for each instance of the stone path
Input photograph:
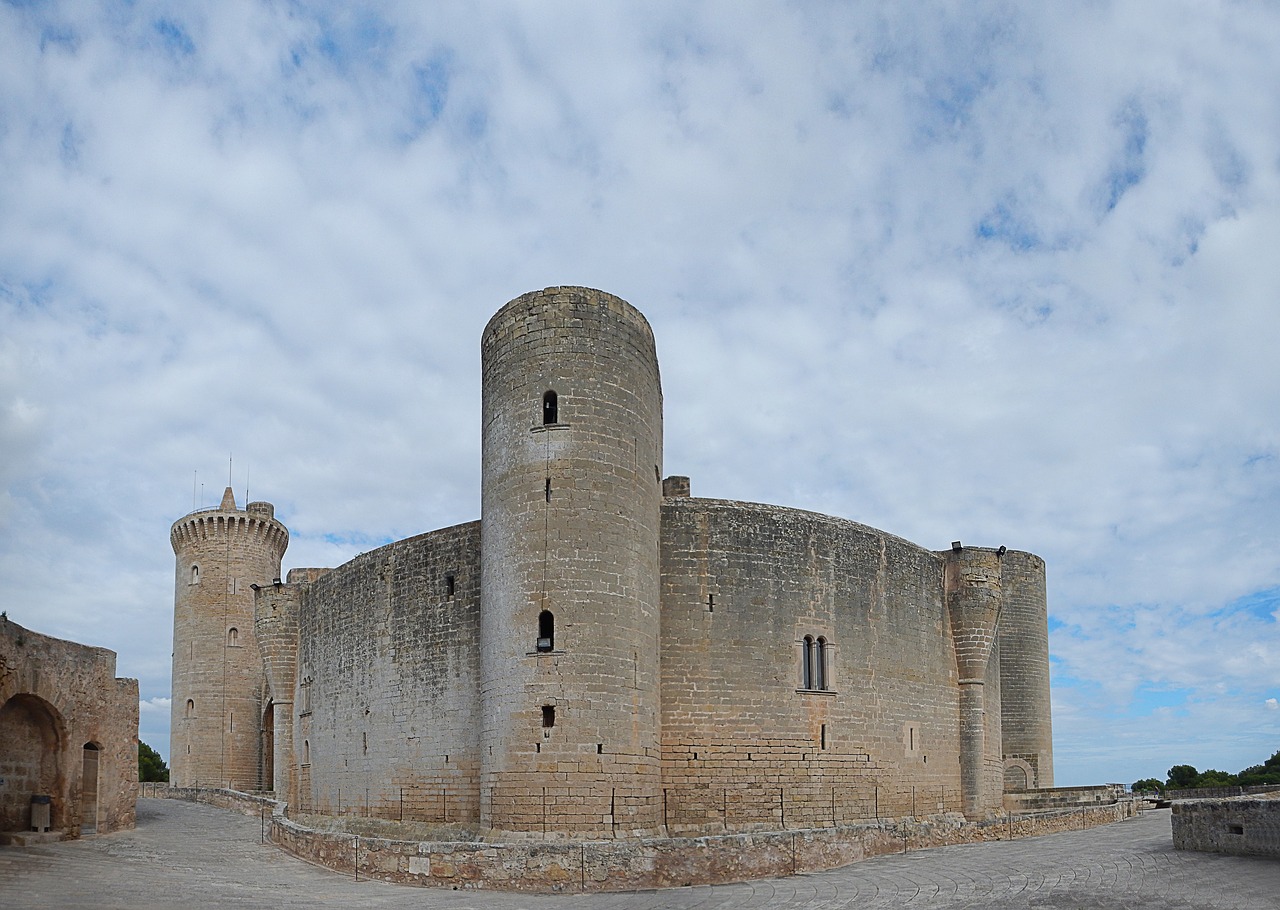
x,y
190,856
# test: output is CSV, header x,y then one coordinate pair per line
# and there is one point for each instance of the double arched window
x,y
814,663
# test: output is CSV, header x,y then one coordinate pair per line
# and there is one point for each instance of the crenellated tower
x,y
571,493
216,737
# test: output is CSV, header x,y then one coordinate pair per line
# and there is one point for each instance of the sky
x,y
980,271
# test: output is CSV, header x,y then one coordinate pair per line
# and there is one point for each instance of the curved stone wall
x,y
388,661
746,745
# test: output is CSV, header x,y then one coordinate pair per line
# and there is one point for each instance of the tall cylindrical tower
x,y
571,493
218,704
1027,726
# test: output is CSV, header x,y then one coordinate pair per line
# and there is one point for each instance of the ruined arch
x,y
32,737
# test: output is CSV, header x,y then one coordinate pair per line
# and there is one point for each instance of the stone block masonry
x,y
604,657
1243,826
68,732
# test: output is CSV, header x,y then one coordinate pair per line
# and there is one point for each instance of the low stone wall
x,y
1215,792
623,865
244,803
1062,798
1244,826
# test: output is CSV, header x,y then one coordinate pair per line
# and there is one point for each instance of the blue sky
x,y
959,271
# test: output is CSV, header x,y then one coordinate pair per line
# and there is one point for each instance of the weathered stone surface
x,y
604,658
1243,826
68,731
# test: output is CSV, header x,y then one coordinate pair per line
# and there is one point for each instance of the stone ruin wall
x,y
744,747
387,715
56,697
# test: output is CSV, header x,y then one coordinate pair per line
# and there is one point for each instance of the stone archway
x,y
1019,776
31,741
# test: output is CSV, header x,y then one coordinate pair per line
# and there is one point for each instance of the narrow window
x,y
547,489
824,736
550,408
546,631
306,751
820,680
548,716
195,575
233,637
191,708
806,663
448,586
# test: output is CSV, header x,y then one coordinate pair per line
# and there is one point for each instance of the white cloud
x,y
1272,704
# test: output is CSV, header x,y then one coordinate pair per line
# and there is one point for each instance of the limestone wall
x,y
572,456
1244,826
630,864
387,719
69,730
746,746
1026,716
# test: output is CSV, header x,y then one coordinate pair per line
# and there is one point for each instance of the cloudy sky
x,y
993,272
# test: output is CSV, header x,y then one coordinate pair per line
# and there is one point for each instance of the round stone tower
x,y
217,714
1027,727
570,496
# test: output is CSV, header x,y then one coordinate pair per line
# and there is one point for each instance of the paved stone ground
x,y
190,856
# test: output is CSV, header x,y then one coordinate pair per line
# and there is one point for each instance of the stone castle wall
x,y
596,661
746,746
388,673
68,730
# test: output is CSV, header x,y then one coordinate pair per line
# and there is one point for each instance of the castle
x,y
601,654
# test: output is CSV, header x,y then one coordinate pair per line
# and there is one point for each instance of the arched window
x,y
550,408
546,631
233,637
306,751
195,575
815,668
191,708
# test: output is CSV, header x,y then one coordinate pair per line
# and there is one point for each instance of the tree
x,y
1215,778
1149,783
151,766
1182,777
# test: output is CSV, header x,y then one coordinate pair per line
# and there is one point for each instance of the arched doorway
x,y
268,779
30,747
89,789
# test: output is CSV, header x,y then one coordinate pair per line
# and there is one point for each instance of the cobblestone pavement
x,y
192,856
